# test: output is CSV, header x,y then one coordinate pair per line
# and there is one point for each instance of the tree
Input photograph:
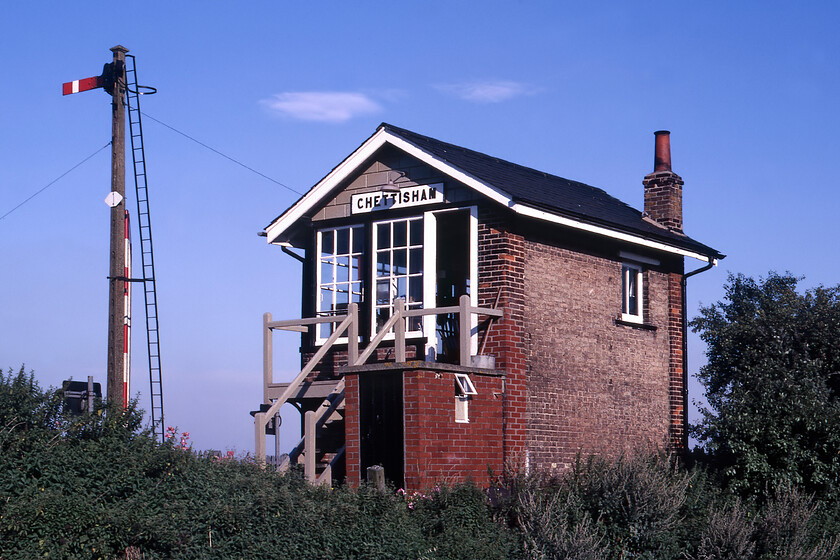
x,y
772,385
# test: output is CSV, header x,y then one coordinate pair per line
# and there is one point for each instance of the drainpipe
x,y
712,262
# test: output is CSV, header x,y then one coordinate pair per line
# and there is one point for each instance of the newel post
x,y
353,334
465,317
399,330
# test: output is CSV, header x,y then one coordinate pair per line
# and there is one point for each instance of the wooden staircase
x,y
321,449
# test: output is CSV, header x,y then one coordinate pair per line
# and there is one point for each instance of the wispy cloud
x,y
487,92
324,106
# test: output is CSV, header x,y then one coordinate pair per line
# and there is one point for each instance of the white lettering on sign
x,y
406,197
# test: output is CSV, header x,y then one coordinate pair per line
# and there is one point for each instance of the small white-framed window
x,y
339,272
464,385
462,409
632,293
398,268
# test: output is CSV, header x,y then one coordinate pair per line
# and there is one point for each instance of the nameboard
x,y
419,195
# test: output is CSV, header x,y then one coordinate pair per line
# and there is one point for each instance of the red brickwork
x,y
352,454
501,266
438,449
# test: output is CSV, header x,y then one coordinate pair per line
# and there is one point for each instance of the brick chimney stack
x,y
663,187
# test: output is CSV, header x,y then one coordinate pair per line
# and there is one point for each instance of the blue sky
x,y
749,91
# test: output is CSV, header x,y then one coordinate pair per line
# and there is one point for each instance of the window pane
x,y
416,232
415,289
342,298
400,265
415,260
383,236
400,234
356,295
402,287
327,242
358,239
632,293
354,268
326,303
342,271
327,272
383,266
383,292
342,241
382,315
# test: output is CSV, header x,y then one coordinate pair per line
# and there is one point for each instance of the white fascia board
x,y
325,185
354,160
606,232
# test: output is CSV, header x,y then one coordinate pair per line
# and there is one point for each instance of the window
x,y
339,271
631,293
464,385
398,268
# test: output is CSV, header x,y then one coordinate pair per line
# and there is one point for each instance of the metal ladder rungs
x,y
146,252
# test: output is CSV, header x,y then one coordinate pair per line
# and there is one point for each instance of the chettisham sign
x,y
406,197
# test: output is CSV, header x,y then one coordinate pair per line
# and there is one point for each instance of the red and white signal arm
x,y
82,85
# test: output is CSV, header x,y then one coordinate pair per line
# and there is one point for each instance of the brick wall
x,y
594,385
352,454
501,266
437,449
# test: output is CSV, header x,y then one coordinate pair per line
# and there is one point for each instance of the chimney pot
x,y
662,152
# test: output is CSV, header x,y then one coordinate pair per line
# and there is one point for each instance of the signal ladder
x,y
147,256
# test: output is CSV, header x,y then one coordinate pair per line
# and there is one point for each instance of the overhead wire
x,y
51,183
214,150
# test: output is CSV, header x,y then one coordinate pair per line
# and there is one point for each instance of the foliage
x,y
633,506
783,529
98,486
772,383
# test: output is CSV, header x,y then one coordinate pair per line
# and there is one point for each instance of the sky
x,y
749,91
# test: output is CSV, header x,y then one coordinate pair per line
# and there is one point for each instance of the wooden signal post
x,y
116,277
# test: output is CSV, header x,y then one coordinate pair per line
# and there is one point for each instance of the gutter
x,y
685,277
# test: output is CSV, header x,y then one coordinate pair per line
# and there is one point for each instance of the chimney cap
x,y
662,151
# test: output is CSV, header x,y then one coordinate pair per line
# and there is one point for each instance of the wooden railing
x,y
347,326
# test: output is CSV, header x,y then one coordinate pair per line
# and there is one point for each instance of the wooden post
x,y
116,303
90,394
259,437
309,445
399,331
268,356
465,325
376,475
353,334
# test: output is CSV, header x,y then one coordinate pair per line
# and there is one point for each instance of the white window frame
x,y
373,306
319,339
632,276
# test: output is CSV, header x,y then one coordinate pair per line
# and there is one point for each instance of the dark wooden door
x,y
381,425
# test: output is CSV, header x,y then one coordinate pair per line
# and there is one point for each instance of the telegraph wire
x,y
237,162
55,181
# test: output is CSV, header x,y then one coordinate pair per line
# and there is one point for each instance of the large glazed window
x,y
398,268
339,271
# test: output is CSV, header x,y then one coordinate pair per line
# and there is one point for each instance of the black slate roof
x,y
551,193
